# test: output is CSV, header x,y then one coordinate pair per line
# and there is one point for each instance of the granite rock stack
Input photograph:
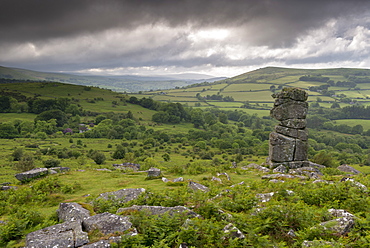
x,y
288,143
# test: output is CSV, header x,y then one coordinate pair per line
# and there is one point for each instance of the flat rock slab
x,y
197,186
159,210
72,212
27,175
67,234
122,195
107,223
348,169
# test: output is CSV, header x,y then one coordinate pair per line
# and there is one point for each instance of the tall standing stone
x,y
288,143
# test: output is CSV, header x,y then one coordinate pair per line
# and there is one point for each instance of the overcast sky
x,y
158,37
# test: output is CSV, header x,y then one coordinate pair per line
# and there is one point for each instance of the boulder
x,y
122,195
224,174
348,169
319,243
216,179
355,183
67,234
265,197
6,187
179,179
339,226
107,223
338,213
98,244
159,210
154,172
72,212
197,186
257,167
165,180
34,173
280,169
60,169
232,231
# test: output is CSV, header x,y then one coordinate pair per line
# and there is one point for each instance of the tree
x,y
119,153
358,129
197,118
98,157
335,105
58,115
8,131
166,157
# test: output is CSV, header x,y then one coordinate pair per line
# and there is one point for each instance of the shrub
x,y
51,163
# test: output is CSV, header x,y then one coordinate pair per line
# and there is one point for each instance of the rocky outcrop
x,y
348,169
197,186
257,167
232,231
34,173
159,210
72,211
67,234
122,195
154,172
107,223
288,143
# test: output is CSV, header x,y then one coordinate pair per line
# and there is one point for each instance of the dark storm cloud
x,y
75,35
274,22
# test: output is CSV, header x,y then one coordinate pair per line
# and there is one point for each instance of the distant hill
x,y
122,83
253,90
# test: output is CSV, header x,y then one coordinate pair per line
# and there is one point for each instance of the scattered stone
x,y
340,213
224,174
72,212
67,234
104,169
197,186
348,169
60,169
265,197
52,172
311,172
284,176
232,231
34,173
357,184
179,179
165,180
5,184
276,181
233,164
107,223
98,244
318,243
216,179
122,195
154,172
159,210
340,226
183,245
322,181
8,187
312,164
257,167
133,166
241,183
280,169
291,233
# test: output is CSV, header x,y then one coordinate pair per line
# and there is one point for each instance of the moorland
x,y
195,132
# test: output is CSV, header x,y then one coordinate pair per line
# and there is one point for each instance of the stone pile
x,y
288,143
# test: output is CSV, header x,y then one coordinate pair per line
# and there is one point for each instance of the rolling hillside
x,y
253,89
124,83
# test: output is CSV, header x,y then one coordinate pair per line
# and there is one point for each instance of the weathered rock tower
x,y
288,143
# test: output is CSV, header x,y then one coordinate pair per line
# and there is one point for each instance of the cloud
x,y
124,35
